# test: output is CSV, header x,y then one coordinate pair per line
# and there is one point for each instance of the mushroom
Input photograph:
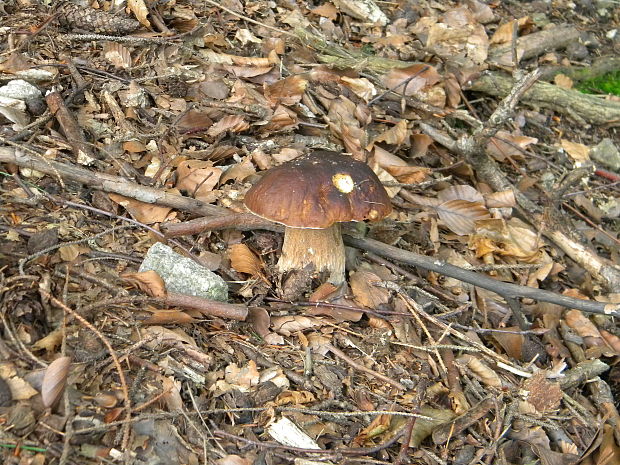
x,y
311,195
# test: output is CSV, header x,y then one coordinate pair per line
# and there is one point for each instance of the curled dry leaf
x,y
287,91
409,174
172,393
288,325
611,339
578,152
511,238
233,460
562,80
244,377
504,145
412,79
70,252
232,123
194,121
361,87
460,192
365,291
259,318
140,11
239,171
54,380
117,54
379,323
353,138
169,317
423,428
159,336
458,35
503,199
147,281
282,119
243,260
327,292
49,342
245,36
581,324
379,425
327,10
385,177
143,212
198,178
399,168
106,400
396,135
460,216
294,398
481,370
385,158
503,34
511,342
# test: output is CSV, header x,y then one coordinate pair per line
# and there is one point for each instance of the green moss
x,y
607,84
368,50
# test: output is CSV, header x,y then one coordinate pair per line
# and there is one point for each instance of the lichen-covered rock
x,y
183,275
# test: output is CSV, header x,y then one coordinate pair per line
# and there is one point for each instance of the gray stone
x,y
183,275
607,154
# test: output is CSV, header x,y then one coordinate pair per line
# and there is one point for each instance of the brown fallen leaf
x,y
232,123
460,216
396,135
147,281
410,80
143,212
481,370
287,325
365,291
54,380
287,91
243,260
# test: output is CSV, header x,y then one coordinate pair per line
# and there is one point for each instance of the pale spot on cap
x,y
343,182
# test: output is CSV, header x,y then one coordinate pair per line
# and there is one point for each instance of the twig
x,y
333,453
248,19
442,433
208,307
121,374
70,127
340,354
404,447
503,289
244,222
108,183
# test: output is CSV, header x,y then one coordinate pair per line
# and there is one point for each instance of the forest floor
x,y
477,323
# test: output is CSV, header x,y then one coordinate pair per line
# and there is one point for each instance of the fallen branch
x,y
107,183
241,221
568,102
70,127
535,44
207,307
472,148
506,290
357,366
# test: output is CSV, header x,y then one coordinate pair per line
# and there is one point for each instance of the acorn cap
x,y
315,191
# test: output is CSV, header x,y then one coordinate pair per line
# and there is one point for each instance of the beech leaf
x,y
54,380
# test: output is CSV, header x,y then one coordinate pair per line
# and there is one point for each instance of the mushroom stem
x,y
322,248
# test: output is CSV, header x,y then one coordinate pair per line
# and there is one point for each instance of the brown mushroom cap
x,y
317,190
